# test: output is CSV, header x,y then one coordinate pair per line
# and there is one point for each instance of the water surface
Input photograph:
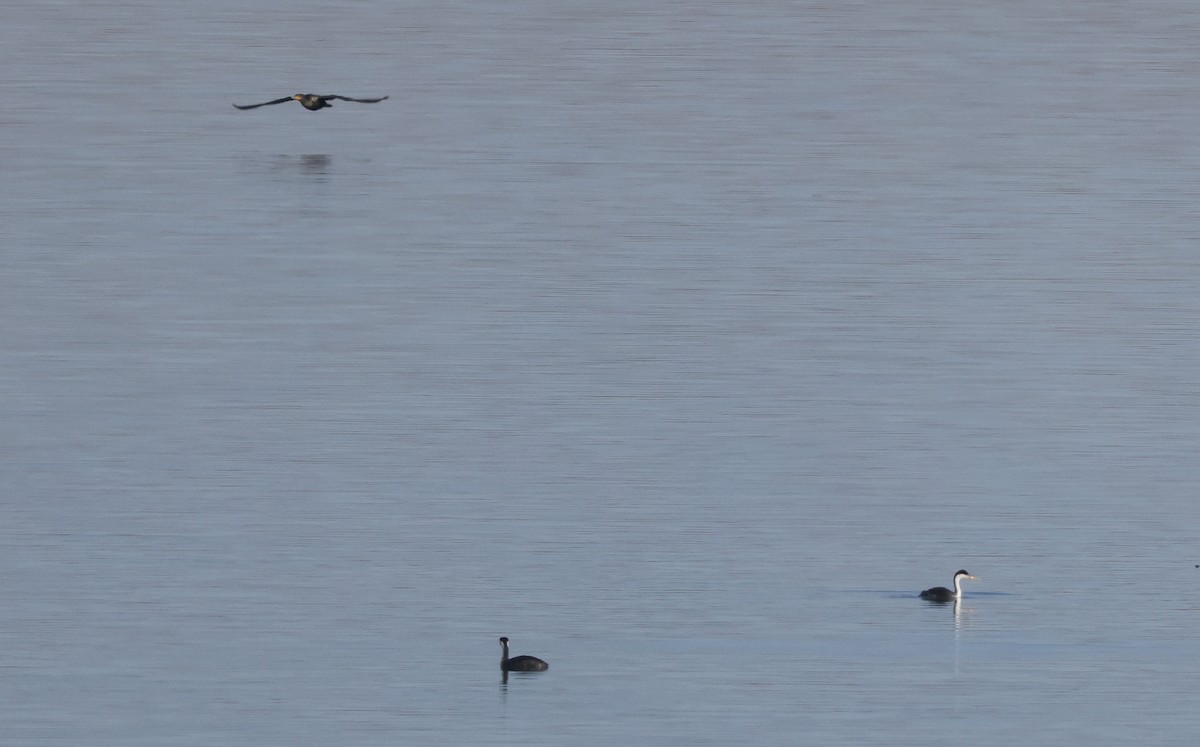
x,y
682,343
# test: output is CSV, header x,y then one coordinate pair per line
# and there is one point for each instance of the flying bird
x,y
311,101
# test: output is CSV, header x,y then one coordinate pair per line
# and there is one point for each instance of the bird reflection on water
x,y
316,162
308,164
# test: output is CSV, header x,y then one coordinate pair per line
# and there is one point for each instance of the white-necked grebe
x,y
942,594
520,663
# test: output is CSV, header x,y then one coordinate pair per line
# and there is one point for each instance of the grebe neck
x,y
958,579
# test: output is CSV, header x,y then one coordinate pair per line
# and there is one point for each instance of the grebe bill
x,y
942,594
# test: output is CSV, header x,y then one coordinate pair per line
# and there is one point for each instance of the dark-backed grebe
x,y
942,594
520,663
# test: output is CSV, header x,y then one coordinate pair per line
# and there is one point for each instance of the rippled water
x,y
683,343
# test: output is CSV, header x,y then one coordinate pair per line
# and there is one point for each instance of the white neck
x,y
958,585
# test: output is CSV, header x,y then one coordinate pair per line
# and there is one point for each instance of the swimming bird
x,y
520,663
311,101
942,594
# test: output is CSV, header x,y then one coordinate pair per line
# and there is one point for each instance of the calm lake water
x,y
683,343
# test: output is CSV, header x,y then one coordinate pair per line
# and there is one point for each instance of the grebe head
x,y
958,579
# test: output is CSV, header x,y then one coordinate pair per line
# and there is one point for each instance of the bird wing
x,y
359,101
265,103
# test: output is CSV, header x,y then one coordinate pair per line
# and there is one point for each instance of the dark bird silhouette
x,y
942,594
311,101
520,663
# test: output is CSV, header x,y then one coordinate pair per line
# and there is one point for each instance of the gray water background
x,y
683,343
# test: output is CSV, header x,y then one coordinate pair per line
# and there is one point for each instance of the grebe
x,y
311,101
520,663
942,594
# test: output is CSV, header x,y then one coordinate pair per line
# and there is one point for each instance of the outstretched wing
x,y
265,103
358,101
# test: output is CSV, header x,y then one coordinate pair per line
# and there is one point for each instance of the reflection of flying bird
x,y
311,101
